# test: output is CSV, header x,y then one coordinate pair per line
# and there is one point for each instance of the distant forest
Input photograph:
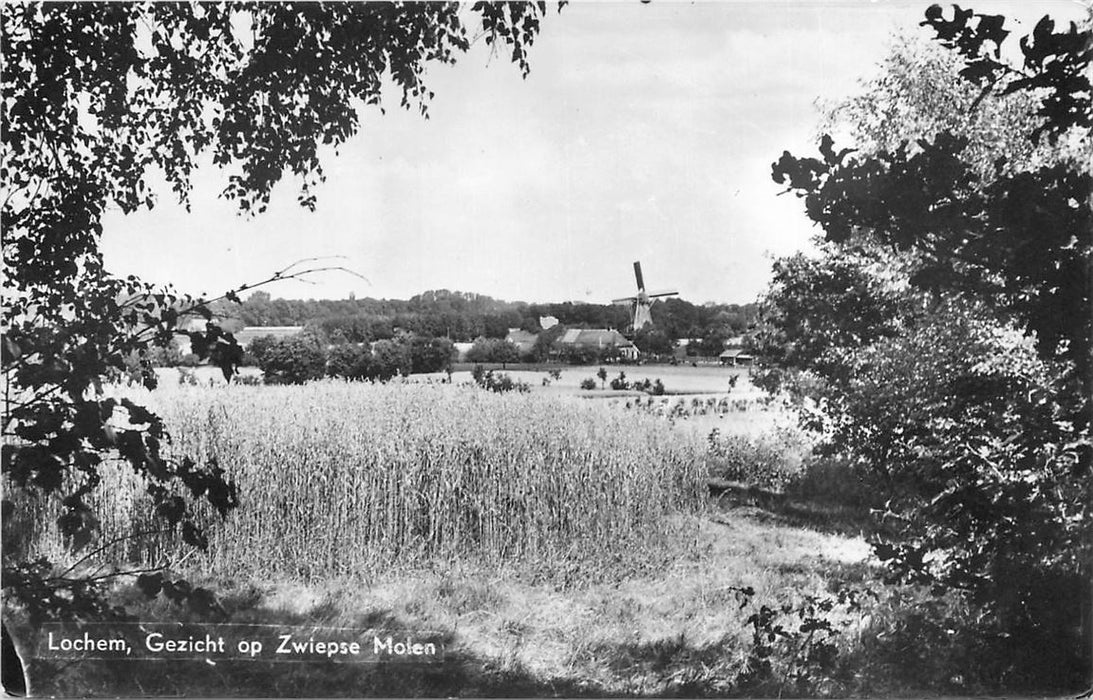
x,y
464,316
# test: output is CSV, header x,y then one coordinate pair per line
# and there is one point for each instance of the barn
x,y
599,339
736,356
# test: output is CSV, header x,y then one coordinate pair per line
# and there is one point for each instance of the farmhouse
x,y
523,340
598,339
734,353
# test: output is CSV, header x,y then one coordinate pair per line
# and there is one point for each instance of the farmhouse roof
x,y
595,337
518,336
734,352
245,336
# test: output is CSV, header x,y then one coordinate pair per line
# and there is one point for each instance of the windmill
x,y
643,302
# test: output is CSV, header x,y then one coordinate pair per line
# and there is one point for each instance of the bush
x,y
430,354
589,383
390,358
619,383
770,459
835,481
493,350
579,355
350,362
656,387
499,383
293,360
257,349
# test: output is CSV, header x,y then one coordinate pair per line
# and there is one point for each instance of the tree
x,y
258,347
99,98
945,330
390,358
294,360
653,341
544,342
711,345
350,361
919,93
493,350
430,354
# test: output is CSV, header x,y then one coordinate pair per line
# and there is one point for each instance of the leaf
x,y
193,536
77,525
150,584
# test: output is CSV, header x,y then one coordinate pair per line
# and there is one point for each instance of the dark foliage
x,y
430,354
349,361
492,350
293,360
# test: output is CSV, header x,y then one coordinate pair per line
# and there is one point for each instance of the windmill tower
x,y
643,302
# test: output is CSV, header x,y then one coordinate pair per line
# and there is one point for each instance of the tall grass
x,y
340,478
771,458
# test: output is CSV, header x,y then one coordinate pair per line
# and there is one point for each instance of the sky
x,y
643,132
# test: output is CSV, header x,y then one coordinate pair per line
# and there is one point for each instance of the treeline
x,y
304,357
463,316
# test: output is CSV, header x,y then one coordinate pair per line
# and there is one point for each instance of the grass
x,y
677,630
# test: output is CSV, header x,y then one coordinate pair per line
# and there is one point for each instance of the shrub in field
x,y
499,383
349,361
656,387
293,360
493,350
770,459
588,383
619,383
430,354
343,478
257,349
389,359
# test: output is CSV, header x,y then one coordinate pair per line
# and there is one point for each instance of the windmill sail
x,y
642,301
638,277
